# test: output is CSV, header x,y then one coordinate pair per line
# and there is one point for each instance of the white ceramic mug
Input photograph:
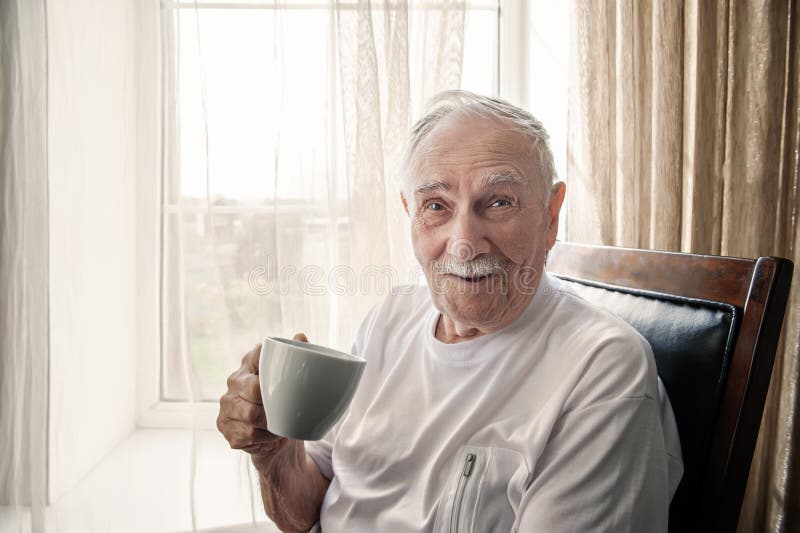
x,y
306,388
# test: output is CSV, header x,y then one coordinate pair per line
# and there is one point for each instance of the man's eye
x,y
434,206
501,203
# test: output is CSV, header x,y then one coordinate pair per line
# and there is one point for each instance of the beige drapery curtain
x,y
683,136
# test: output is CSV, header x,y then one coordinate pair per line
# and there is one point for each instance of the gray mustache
x,y
485,265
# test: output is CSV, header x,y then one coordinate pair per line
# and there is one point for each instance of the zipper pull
x,y
469,464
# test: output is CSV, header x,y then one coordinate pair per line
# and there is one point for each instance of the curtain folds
x,y
683,136
317,234
283,127
24,341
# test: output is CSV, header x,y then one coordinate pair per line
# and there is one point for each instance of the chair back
x,y
713,323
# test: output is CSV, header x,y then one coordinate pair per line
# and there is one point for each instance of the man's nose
x,y
467,239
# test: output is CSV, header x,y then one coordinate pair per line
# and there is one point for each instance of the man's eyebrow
x,y
496,178
432,186
499,178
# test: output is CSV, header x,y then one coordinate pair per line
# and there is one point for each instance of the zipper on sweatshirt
x,y
469,462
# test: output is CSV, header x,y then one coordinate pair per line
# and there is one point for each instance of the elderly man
x,y
494,398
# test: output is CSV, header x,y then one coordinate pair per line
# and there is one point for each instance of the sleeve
x,y
605,467
321,451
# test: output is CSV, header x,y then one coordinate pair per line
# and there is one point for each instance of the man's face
x,y
481,222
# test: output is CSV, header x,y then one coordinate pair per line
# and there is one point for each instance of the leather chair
x,y
713,323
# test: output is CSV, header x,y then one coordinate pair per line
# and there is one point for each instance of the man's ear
x,y
557,194
405,203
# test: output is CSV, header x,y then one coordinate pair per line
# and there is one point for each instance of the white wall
x,y
92,177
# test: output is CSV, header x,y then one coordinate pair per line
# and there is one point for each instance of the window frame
x,y
153,411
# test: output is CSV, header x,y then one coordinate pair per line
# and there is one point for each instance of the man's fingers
x,y
255,415
242,419
248,412
241,435
251,359
300,337
234,407
250,388
246,384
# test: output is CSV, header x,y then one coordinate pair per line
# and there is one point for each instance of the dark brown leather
x,y
692,343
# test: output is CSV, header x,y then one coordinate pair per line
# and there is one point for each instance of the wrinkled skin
x,y
477,192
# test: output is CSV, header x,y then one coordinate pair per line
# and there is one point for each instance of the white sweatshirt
x,y
557,422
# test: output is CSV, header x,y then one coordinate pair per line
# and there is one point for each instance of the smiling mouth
x,y
474,279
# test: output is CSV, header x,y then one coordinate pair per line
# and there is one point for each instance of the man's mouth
x,y
473,279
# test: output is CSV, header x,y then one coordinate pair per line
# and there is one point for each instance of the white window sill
x,y
143,486
181,415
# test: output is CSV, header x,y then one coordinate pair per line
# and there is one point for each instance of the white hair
x,y
446,102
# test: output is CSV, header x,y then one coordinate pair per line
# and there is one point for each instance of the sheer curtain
x,y
279,128
683,136
295,224
281,210
23,264
281,206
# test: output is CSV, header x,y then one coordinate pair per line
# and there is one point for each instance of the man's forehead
x,y
464,136
457,129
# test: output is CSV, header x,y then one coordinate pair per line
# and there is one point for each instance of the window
x,y
225,121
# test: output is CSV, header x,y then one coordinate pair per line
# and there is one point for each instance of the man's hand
x,y
242,419
292,487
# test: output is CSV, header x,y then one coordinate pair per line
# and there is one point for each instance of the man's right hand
x,y
292,487
242,419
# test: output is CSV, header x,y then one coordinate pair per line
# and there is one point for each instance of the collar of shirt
x,y
476,350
